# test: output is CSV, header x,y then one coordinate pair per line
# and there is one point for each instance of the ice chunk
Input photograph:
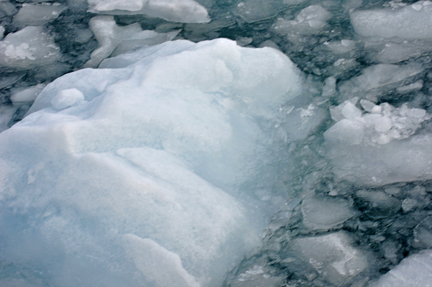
x,y
377,79
7,9
379,204
114,39
329,88
396,50
333,256
169,148
323,213
256,10
423,233
370,149
37,14
410,22
310,20
110,5
184,11
412,271
27,95
28,48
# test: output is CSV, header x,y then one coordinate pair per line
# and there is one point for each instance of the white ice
x,y
410,22
147,164
378,146
28,48
114,39
184,11
414,270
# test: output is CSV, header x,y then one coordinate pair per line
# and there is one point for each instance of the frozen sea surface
x,y
215,143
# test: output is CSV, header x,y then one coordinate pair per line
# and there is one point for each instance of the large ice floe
x,y
124,166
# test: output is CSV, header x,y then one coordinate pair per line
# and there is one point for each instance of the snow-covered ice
x,y
141,150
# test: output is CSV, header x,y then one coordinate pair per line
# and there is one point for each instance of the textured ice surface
x,y
28,48
324,213
114,39
412,271
376,80
37,14
331,255
411,22
118,170
185,11
378,147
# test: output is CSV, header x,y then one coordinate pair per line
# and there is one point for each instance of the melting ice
x,y
215,143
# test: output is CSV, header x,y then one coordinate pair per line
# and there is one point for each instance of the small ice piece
x,y
27,95
423,233
323,213
114,40
329,88
2,30
37,14
409,204
111,5
378,79
379,203
331,255
256,10
408,22
67,98
28,48
7,9
416,113
310,20
411,87
414,270
183,11
367,105
350,112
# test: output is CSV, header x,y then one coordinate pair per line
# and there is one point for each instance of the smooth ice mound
x,y
145,170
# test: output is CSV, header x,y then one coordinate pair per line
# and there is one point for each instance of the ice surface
x,y
378,79
378,147
309,21
256,10
324,213
122,167
412,271
114,39
37,14
332,255
411,22
185,11
28,48
27,95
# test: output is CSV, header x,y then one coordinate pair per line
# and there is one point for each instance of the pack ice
x,y
142,172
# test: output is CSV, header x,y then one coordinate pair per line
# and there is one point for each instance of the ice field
x,y
195,143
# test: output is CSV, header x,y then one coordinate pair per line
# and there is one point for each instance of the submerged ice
x,y
141,147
